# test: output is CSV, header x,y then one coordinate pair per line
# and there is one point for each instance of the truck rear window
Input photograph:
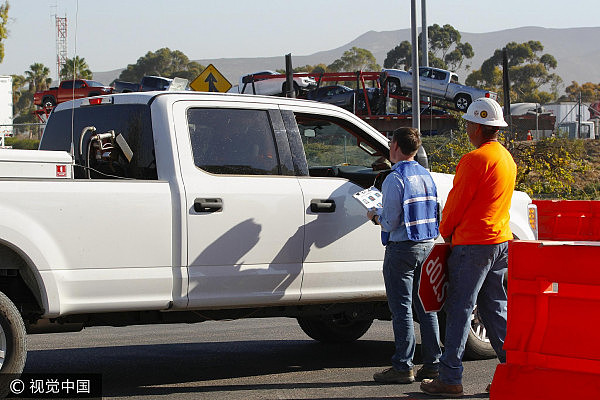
x,y
131,120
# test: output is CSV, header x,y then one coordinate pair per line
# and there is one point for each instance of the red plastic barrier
x,y
568,219
553,334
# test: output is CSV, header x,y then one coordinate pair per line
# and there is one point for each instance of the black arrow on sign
x,y
211,80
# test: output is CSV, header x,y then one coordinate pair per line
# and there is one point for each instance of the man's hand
x,y
448,239
371,214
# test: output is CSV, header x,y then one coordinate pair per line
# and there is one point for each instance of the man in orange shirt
x,y
476,221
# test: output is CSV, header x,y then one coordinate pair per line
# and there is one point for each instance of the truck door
x,y
244,207
343,254
65,91
433,81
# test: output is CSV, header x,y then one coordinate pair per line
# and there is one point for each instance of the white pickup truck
x,y
437,83
182,207
271,83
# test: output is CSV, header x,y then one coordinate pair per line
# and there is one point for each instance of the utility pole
x,y
424,42
424,35
579,117
416,104
421,156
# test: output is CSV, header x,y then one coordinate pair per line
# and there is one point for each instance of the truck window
x,y
330,141
67,85
438,75
233,141
130,120
337,148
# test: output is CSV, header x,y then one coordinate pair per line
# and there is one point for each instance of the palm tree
x,y
75,68
18,81
38,77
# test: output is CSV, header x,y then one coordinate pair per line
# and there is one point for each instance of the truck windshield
x,y
94,84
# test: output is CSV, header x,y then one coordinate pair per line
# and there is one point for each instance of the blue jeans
x,y
401,270
476,275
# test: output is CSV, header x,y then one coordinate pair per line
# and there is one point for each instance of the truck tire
x,y
478,345
48,102
393,85
334,329
462,102
13,343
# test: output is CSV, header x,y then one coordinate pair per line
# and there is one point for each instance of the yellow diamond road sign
x,y
210,80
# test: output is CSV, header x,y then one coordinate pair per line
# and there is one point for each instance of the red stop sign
x,y
433,287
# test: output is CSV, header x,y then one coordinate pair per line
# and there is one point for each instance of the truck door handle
x,y
322,206
208,205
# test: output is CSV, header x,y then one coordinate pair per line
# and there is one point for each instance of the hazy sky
x,y
110,34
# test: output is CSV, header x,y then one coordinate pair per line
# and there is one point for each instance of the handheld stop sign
x,y
433,285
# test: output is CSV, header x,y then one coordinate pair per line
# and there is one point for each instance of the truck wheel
x,y
334,328
13,344
478,345
462,102
48,102
393,85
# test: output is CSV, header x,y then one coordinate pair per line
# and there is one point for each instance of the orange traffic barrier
x,y
568,219
553,333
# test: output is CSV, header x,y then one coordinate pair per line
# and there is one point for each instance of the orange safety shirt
x,y
477,208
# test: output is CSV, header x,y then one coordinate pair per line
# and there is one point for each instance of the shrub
x,y
22,143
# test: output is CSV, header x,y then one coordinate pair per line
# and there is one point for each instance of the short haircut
x,y
489,132
408,139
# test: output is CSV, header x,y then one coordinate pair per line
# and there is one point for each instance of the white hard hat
x,y
485,111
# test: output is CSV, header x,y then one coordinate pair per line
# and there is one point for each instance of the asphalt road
x,y
245,359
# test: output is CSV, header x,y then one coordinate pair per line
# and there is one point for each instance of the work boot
x,y
392,375
426,373
437,388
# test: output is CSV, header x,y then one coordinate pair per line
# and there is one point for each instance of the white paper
x,y
370,198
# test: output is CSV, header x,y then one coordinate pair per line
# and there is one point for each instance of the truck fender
x,y
40,252
519,218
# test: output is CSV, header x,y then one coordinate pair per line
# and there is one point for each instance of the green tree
x,y
22,101
307,69
528,71
38,77
590,92
75,68
18,83
163,62
355,59
3,31
399,57
446,50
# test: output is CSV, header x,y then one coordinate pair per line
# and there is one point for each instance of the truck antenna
x,y
73,101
